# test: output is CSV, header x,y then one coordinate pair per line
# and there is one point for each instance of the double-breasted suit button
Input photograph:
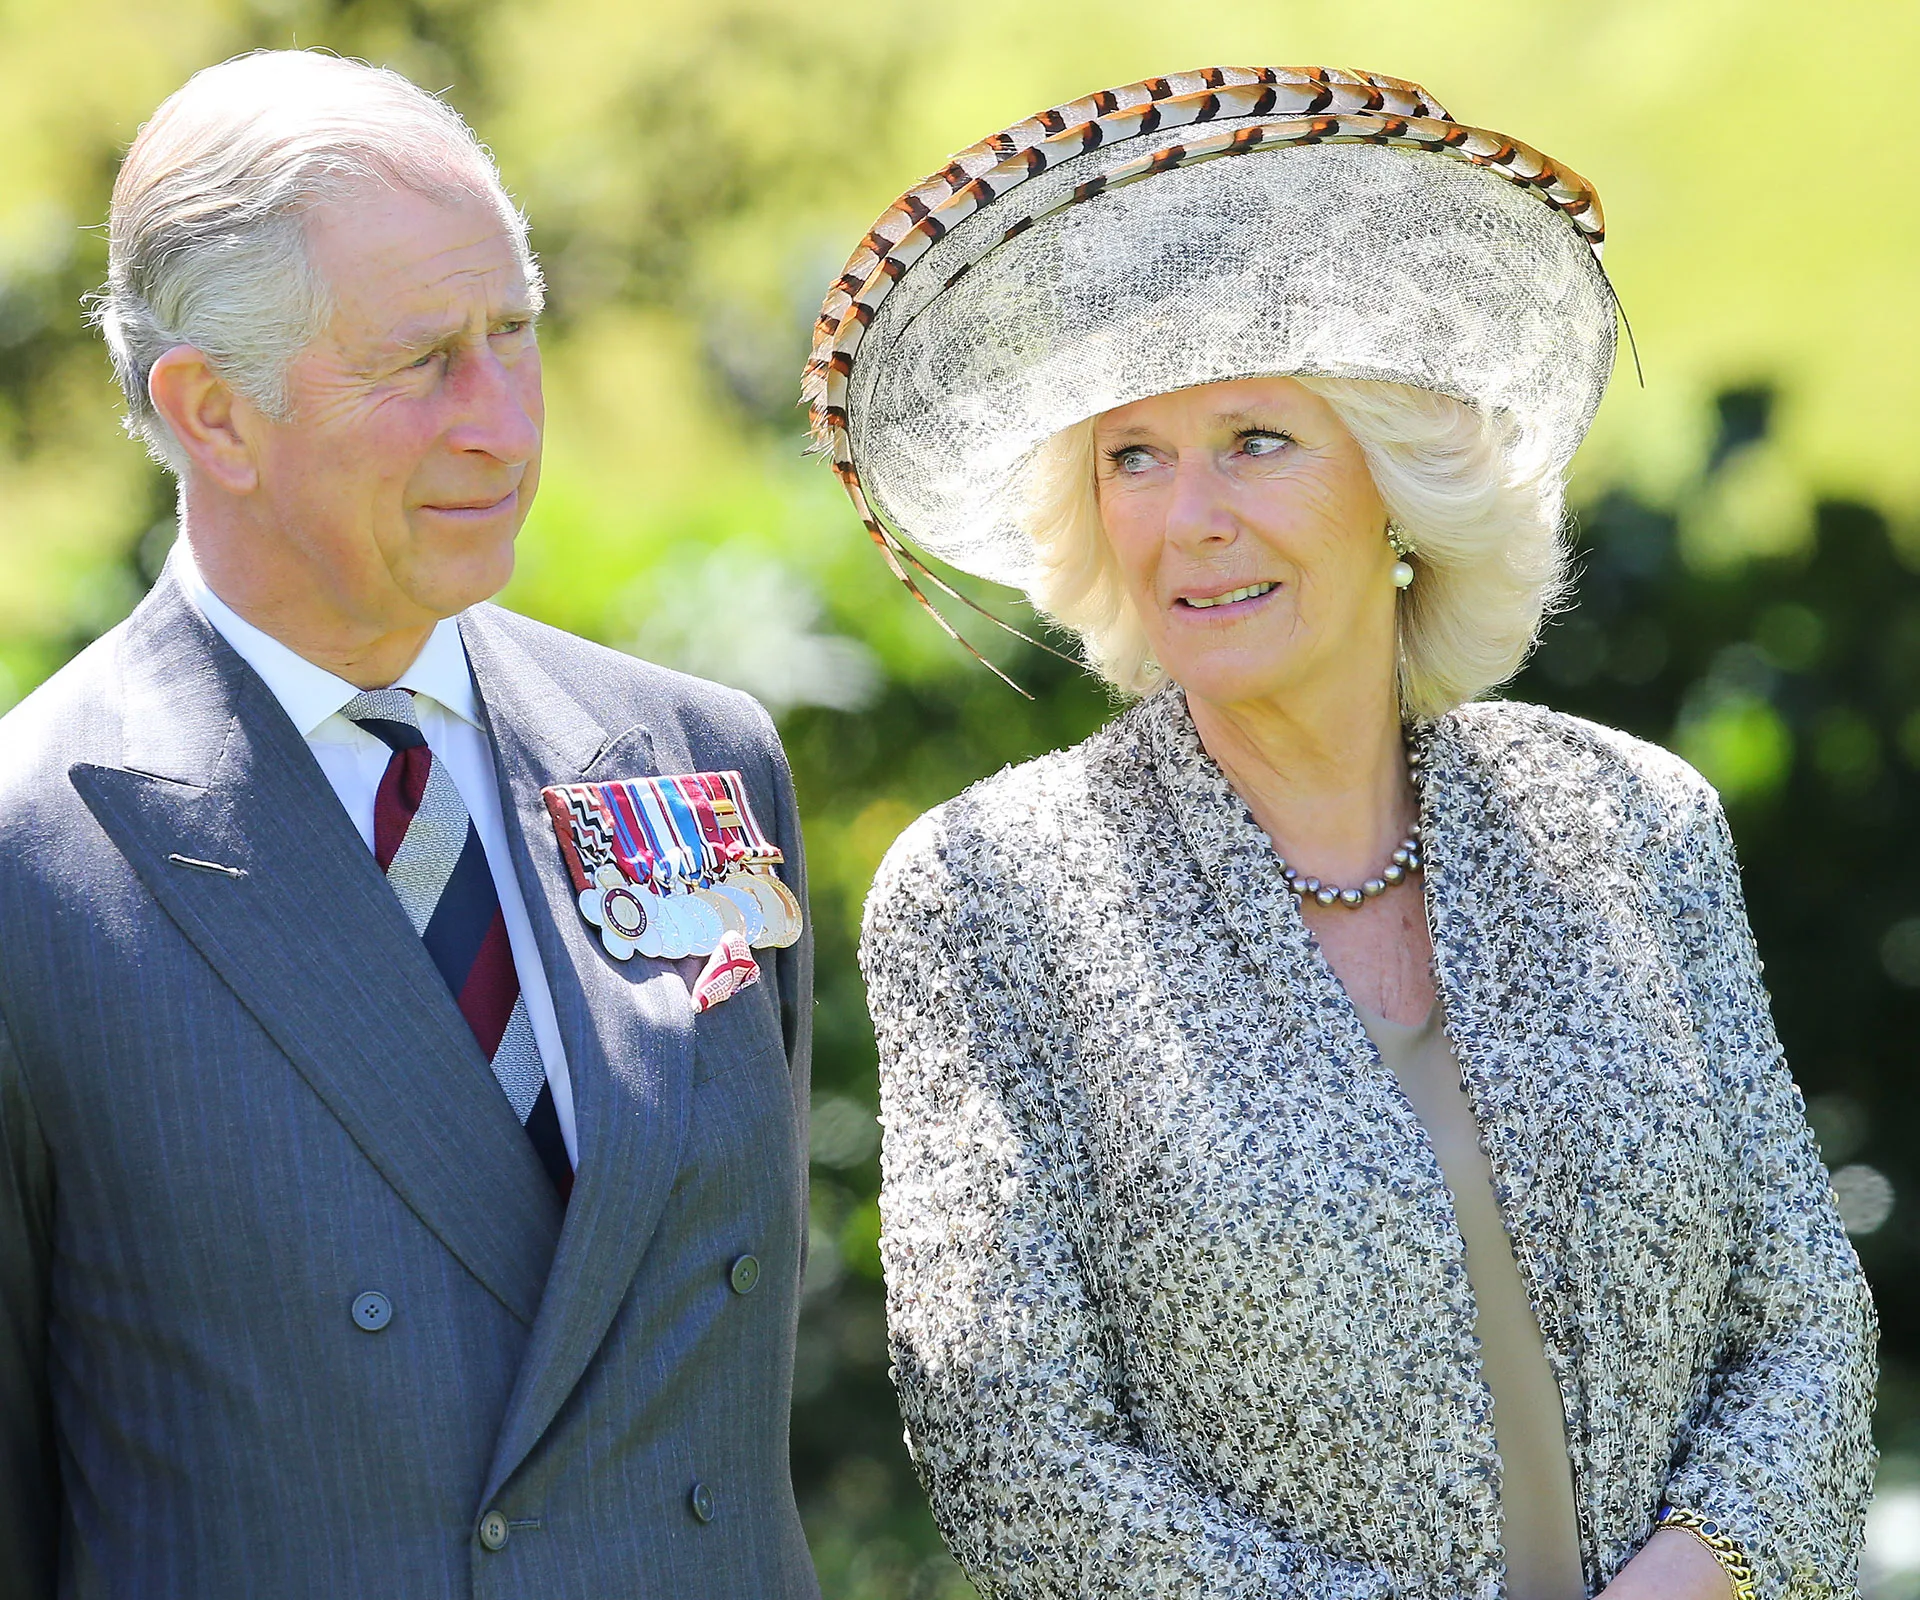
x,y
493,1531
744,1274
701,1500
372,1311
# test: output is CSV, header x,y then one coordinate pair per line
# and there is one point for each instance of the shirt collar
x,y
310,694
441,672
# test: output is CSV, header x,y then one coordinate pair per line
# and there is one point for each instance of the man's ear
x,y
204,414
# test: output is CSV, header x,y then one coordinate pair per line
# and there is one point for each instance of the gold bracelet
x,y
1733,1560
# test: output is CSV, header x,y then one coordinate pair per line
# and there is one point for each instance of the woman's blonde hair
x,y
1481,512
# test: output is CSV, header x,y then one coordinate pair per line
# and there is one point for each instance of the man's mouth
x,y
1252,591
474,507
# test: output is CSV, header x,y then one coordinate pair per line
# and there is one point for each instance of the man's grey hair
x,y
207,232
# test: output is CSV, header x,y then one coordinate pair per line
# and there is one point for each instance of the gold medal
x,y
778,904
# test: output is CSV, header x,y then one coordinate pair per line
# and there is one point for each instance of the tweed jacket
x,y
1178,1302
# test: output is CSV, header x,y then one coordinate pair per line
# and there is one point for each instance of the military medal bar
x,y
668,866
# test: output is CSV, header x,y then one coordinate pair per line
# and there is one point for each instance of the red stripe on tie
x,y
395,802
492,986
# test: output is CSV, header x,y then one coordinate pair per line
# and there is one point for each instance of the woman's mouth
x,y
1252,591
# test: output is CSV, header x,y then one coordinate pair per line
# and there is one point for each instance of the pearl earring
x,y
1402,573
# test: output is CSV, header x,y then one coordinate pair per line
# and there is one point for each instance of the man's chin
x,y
459,579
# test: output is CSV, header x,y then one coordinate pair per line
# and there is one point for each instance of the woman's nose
x,y
1197,507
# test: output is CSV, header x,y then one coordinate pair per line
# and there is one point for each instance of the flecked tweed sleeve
x,y
1780,1454
1008,1386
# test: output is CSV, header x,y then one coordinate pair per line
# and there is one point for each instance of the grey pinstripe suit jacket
x,y
231,1104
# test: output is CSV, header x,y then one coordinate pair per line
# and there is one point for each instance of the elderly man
x,y
372,1221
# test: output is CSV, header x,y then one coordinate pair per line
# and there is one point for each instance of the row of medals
x,y
690,918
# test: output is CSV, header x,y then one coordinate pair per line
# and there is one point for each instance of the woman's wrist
x,y
1672,1565
1718,1543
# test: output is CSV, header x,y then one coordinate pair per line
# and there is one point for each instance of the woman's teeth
x,y
1228,599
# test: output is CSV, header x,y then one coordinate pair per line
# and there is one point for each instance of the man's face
x,y
413,446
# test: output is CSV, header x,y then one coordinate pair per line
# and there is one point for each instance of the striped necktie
x,y
428,847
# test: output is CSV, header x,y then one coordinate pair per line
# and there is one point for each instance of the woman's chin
x,y
1230,678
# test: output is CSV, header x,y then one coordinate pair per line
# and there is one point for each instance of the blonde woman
x,y
1336,1142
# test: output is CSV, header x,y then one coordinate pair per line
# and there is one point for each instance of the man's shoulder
x,y
74,716
77,717
617,689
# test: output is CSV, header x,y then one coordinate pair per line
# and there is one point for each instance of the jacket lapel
x,y
627,1028
304,929
1240,866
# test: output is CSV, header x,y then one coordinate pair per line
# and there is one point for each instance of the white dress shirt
x,y
354,762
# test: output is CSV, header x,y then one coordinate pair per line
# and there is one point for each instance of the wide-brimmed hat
x,y
1228,223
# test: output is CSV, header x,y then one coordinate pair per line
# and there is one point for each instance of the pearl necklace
x,y
1403,864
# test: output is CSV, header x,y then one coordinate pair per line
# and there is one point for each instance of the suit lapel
x,y
312,941
627,1029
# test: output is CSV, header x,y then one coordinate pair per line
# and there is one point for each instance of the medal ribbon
x,y
758,849
638,854
584,844
694,812
720,818
694,827
670,842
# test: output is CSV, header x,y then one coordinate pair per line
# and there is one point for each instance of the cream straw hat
x,y
1230,223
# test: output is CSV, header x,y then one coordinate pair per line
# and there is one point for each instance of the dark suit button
x,y
744,1274
702,1502
493,1531
372,1311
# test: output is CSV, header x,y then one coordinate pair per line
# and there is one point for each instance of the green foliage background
x,y
695,173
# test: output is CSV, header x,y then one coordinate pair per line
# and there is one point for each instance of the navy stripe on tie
x,y
394,735
458,926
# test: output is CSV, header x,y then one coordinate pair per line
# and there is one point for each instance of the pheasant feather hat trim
x,y
1229,223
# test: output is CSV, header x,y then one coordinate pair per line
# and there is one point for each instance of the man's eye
x,y
426,360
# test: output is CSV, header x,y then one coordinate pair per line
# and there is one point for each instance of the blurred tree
x,y
695,173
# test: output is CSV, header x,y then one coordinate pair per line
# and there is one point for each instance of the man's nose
x,y
498,405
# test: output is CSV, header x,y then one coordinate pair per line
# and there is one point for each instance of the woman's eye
x,y
1263,444
1134,460
426,360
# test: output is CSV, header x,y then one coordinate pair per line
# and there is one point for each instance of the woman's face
x,y
1252,489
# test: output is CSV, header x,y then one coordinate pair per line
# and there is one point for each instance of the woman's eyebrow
x,y
1219,422
1249,422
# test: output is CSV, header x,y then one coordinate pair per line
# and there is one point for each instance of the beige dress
x,y
1536,1498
